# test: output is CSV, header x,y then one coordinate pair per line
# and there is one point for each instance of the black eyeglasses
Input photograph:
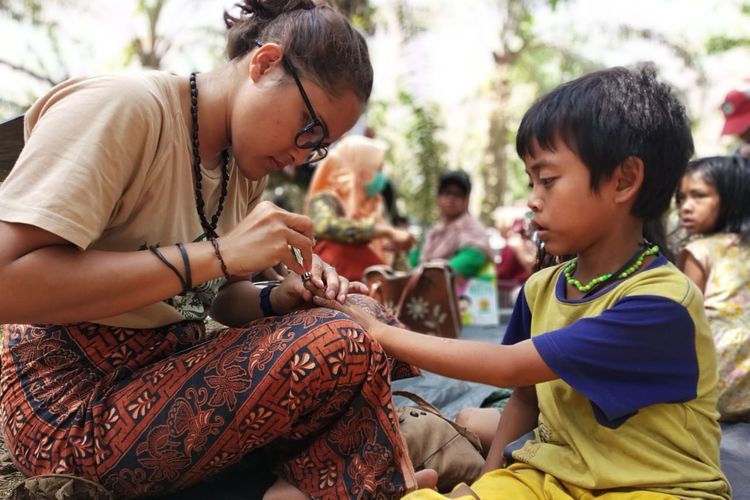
x,y
312,135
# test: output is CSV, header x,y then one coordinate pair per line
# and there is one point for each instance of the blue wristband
x,y
265,301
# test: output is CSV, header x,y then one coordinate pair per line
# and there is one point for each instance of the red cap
x,y
736,109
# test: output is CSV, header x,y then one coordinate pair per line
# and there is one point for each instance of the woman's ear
x,y
264,59
628,178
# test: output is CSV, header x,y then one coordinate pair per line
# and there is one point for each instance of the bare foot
x,y
426,478
281,490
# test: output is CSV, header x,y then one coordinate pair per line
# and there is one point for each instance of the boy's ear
x,y
628,178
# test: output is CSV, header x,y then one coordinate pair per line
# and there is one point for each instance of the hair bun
x,y
266,10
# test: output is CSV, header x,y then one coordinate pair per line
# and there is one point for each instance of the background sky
x,y
450,63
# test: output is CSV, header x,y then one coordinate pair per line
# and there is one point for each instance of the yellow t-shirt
x,y
107,164
635,405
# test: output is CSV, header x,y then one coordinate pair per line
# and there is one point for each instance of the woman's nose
x,y
299,155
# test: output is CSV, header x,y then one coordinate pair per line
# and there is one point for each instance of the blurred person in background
x,y
346,205
736,110
517,255
457,237
713,204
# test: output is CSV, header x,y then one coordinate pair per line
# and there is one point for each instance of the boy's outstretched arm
x,y
493,364
519,417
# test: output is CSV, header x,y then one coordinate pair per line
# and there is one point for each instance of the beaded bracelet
x,y
215,244
265,301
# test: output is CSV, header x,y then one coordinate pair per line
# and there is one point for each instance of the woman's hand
x,y
294,293
401,239
396,238
264,238
326,282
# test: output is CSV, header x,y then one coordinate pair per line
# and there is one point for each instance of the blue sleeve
x,y
519,324
637,353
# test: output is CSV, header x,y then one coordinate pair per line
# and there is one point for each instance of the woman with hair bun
x,y
132,213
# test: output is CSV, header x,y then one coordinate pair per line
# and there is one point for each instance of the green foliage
x,y
721,43
20,10
412,19
429,157
361,13
416,154
525,68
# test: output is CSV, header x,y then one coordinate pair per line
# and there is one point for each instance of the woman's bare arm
x,y
46,279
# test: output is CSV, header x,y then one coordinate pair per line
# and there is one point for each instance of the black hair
x,y
319,42
608,116
457,178
730,175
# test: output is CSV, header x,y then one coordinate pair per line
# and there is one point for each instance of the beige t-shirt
x,y
107,165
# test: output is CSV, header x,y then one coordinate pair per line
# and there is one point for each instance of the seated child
x,y
610,353
713,200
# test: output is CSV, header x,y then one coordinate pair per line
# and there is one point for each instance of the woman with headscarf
x,y
346,207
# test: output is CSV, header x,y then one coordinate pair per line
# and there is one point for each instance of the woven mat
x,y
10,477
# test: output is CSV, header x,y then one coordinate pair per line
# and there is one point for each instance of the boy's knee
x,y
465,416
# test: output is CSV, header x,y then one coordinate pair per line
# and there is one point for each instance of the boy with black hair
x,y
610,353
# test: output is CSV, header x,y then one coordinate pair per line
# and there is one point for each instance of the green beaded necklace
x,y
630,269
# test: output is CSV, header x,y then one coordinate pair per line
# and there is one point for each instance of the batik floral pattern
x,y
151,411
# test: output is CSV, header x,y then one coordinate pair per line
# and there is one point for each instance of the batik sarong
x,y
154,410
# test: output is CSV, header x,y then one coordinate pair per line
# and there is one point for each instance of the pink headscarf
x,y
344,173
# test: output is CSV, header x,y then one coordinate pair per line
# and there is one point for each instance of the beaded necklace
x,y
209,228
630,267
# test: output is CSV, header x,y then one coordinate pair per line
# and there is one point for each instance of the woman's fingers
x,y
318,275
343,289
264,238
326,278
299,223
333,282
358,287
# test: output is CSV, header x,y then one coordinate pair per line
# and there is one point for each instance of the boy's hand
x,y
362,316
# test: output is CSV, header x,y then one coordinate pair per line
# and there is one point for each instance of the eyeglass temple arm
x,y
290,69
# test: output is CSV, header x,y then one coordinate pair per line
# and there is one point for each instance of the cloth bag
x,y
436,442
424,299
